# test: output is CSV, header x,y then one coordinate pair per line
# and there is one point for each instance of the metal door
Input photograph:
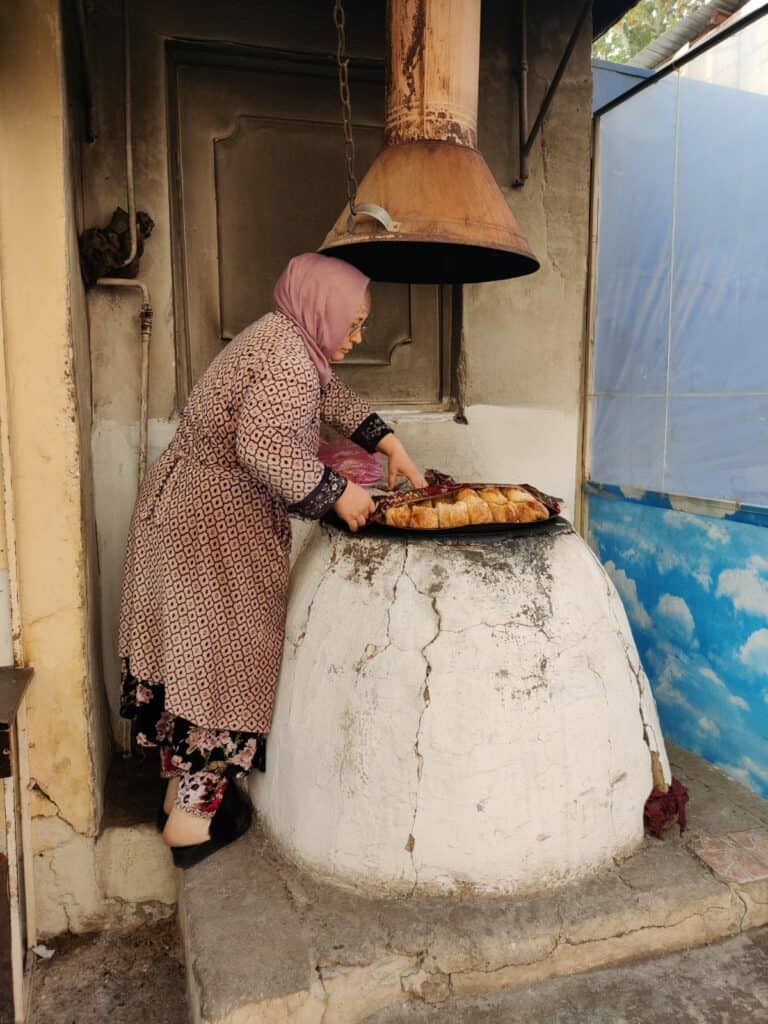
x,y
258,166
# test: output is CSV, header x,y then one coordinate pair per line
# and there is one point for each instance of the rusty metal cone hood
x,y
429,210
449,221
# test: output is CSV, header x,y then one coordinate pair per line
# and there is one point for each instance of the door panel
x,y
257,149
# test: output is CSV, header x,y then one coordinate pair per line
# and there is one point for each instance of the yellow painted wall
x,y
45,331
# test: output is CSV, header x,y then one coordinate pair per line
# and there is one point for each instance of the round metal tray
x,y
555,524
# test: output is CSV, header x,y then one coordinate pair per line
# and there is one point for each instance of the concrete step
x,y
265,941
726,981
120,878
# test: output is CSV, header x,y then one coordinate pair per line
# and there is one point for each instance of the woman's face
x,y
354,335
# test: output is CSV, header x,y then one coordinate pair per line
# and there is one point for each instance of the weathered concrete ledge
x,y
266,942
122,877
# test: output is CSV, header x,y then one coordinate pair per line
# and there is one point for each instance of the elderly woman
x,y
206,568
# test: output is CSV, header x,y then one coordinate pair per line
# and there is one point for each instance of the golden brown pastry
x,y
516,494
512,512
498,512
492,495
480,511
424,517
531,511
399,516
468,494
452,515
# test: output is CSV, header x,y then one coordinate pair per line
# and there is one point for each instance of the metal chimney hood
x,y
429,210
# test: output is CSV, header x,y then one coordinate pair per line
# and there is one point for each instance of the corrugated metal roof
x,y
685,31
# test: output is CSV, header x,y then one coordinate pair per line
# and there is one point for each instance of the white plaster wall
x,y
457,718
502,443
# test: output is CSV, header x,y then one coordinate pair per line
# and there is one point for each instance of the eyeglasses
x,y
362,327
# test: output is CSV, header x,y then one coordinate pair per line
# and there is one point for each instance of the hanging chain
x,y
342,59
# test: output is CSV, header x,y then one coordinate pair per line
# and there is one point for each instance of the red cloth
x,y
663,809
352,461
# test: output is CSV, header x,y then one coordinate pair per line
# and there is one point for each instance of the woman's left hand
x,y
400,462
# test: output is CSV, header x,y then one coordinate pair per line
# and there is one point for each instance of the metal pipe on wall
x,y
522,96
128,101
526,138
145,317
145,313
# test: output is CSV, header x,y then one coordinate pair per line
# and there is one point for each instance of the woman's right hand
x,y
354,506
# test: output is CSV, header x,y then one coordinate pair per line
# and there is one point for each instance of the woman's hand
x,y
354,506
400,462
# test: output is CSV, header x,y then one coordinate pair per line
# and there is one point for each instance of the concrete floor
x,y
339,955
129,977
722,984
126,977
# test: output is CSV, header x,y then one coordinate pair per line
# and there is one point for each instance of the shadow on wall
x,y
696,592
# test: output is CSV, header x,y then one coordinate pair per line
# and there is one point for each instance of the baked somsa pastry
x,y
479,512
531,511
512,512
516,494
424,517
446,505
499,511
451,515
399,516
492,495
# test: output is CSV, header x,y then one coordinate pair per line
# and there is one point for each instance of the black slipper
x,y
231,820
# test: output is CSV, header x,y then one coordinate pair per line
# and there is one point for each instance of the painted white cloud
x,y
739,702
667,693
676,611
627,588
755,651
623,531
707,725
713,677
759,770
715,532
747,590
669,559
740,774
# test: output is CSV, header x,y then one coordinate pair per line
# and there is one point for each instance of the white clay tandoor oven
x,y
458,714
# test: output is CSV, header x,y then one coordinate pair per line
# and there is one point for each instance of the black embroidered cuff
x,y
322,498
370,432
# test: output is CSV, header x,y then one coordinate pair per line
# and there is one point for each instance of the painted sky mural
x,y
696,593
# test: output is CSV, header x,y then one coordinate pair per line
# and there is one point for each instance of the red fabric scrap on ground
x,y
663,809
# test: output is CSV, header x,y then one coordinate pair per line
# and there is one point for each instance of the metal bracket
x,y
378,213
526,138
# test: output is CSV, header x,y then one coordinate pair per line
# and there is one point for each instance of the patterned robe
x,y
206,567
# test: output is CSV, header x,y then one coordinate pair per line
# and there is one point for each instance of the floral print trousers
x,y
205,760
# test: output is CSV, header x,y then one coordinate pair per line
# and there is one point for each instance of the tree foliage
x,y
640,26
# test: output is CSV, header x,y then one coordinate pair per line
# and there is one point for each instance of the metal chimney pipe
x,y
433,72
429,209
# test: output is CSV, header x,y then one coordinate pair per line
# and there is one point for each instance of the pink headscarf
x,y
321,296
